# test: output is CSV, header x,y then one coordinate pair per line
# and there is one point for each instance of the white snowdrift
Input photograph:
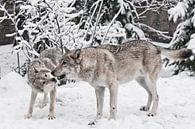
x,y
76,106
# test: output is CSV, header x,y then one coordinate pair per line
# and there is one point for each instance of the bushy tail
x,y
176,54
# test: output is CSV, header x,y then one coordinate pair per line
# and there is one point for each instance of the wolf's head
x,y
43,84
40,77
44,80
69,65
43,73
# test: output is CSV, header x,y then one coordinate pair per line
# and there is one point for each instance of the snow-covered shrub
x,y
59,23
42,24
48,24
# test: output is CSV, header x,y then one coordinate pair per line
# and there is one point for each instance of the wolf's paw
x,y
151,114
51,117
144,108
112,116
92,123
27,116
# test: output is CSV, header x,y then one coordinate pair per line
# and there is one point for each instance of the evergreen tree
x,y
184,13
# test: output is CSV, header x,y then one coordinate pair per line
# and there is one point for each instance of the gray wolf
x,y
41,80
109,65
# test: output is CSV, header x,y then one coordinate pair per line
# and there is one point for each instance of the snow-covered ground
x,y
8,59
76,104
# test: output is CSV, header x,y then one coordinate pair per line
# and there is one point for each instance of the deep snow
x,y
76,106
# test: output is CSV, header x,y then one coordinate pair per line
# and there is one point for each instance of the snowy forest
x,y
38,25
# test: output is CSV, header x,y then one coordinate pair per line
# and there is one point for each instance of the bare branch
x,y
114,18
96,23
96,5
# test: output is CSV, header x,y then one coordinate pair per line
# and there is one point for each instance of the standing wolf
x,y
41,80
109,65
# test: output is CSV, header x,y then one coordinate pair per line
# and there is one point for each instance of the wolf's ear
x,y
36,70
66,49
76,54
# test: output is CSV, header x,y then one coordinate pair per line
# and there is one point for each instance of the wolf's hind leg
x,y
142,82
99,91
113,100
100,101
151,83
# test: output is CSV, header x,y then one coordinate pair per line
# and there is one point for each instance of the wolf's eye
x,y
45,75
64,62
43,82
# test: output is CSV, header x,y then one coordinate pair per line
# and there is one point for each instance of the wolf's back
x,y
50,57
138,46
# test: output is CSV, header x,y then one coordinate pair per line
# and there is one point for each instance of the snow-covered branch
x,y
7,15
179,11
97,21
154,33
114,18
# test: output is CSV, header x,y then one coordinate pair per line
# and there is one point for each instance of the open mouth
x,y
62,80
61,77
66,81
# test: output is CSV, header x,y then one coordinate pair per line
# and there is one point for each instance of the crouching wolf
x,y
41,80
110,65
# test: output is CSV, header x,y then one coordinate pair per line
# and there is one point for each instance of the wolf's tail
x,y
176,54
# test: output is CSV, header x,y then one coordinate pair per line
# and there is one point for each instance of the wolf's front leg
x,y
113,100
100,101
51,115
32,101
99,91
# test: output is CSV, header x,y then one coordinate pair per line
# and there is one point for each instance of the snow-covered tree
x,y
184,14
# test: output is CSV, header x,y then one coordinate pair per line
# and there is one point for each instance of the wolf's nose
x,y
54,79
